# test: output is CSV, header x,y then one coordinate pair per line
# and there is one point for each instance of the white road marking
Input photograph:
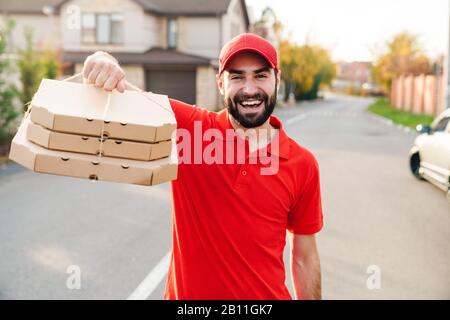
x,y
152,280
295,119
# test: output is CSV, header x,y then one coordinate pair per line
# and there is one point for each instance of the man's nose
x,y
250,88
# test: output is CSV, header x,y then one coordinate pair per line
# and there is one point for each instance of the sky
x,y
355,30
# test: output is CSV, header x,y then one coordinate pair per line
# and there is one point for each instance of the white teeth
x,y
251,103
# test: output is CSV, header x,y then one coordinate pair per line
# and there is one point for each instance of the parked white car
x,y
430,155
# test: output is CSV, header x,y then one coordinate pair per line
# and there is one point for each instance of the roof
x,y
159,7
186,7
154,56
191,7
27,6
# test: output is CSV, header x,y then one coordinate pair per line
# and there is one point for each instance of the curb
x,y
391,123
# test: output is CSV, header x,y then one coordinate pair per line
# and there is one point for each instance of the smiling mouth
x,y
251,104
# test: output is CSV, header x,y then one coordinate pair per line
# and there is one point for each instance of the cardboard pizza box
x,y
78,108
40,159
125,149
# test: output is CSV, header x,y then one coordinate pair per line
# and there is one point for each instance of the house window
x,y
102,28
116,29
88,28
172,33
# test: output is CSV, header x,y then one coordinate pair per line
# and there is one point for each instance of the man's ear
x,y
278,75
220,84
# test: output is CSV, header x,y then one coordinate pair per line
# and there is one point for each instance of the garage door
x,y
177,84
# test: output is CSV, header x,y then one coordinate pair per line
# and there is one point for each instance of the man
x,y
229,219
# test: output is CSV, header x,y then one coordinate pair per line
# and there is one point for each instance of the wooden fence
x,y
418,94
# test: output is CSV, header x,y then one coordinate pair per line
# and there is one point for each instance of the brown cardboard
x,y
39,159
79,109
91,145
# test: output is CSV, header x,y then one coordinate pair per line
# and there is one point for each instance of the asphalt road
x,y
376,214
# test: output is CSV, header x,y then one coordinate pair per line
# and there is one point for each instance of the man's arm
x,y
103,71
305,267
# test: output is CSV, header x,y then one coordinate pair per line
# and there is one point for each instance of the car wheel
x,y
414,163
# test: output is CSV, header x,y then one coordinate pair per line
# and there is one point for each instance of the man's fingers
x,y
94,72
104,74
101,71
87,68
121,86
113,80
110,84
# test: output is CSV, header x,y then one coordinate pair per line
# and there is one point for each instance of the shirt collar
x,y
223,123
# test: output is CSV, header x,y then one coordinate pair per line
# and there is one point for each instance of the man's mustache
x,y
258,96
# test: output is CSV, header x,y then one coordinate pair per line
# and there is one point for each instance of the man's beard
x,y
251,121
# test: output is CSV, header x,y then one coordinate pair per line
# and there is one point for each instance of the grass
x,y
382,108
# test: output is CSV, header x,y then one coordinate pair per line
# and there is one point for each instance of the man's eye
x,y
236,77
261,76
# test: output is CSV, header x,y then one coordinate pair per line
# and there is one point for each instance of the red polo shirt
x,y
230,221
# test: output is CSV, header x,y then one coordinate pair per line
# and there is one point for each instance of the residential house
x,y
356,73
354,76
165,46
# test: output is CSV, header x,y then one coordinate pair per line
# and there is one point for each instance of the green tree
x,y
401,55
305,69
8,92
50,64
34,66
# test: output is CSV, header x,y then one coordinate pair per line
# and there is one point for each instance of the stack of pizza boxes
x,y
79,130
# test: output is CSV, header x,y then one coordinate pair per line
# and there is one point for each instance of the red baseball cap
x,y
248,42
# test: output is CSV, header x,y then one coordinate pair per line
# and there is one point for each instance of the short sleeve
x,y
186,114
306,215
